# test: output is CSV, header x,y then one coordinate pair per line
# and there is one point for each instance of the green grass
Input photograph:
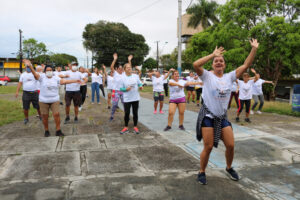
x,y
147,89
9,90
12,111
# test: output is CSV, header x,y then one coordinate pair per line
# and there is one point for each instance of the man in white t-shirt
x,y
73,91
30,93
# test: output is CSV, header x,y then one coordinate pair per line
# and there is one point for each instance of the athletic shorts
x,y
158,96
208,122
45,107
30,97
188,88
178,100
75,96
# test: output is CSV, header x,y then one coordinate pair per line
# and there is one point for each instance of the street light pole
x,y
179,36
21,51
157,55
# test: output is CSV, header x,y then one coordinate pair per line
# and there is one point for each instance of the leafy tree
x,y
32,49
204,13
150,63
55,59
106,38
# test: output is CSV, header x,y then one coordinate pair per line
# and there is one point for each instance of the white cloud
x,y
60,23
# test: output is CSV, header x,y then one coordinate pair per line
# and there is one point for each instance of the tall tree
x,y
32,48
149,63
106,38
204,13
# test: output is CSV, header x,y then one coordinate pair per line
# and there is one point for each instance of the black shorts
x,y
188,88
158,96
75,96
208,122
30,97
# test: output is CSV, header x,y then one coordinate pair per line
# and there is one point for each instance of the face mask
x,y
28,69
49,74
74,68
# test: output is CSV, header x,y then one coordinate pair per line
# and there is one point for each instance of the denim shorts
x,y
208,122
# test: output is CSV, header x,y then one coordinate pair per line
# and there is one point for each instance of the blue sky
x,y
60,23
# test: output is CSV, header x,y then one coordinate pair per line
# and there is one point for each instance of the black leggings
x,y
102,89
241,105
83,89
166,88
198,93
135,108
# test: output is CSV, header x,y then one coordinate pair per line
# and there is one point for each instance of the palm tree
x,y
203,13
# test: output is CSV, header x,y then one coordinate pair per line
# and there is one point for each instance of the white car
x,y
3,83
146,81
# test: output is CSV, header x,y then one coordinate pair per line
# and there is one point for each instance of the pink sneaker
x,y
154,112
161,112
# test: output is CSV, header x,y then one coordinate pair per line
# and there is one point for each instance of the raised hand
x,y
130,57
103,66
218,51
254,43
172,70
253,71
115,56
27,62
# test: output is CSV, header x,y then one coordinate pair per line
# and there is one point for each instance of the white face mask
x,y
49,74
74,68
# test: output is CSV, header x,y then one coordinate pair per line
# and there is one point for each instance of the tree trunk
x,y
277,74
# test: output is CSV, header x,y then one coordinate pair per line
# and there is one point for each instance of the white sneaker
x,y
80,108
251,112
259,112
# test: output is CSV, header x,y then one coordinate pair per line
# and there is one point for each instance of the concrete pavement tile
x,y
81,142
127,141
87,189
44,190
59,164
28,145
178,137
166,157
111,161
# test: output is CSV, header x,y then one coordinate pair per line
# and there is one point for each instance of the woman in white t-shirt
x,y
158,89
49,95
96,81
245,95
212,122
257,92
177,99
130,86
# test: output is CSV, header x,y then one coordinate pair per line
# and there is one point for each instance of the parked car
x,y
3,82
4,78
146,81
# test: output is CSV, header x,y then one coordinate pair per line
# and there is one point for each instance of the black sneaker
x,y
237,119
59,133
108,107
47,133
167,128
202,178
181,127
193,101
198,104
67,120
110,119
233,174
76,120
61,103
26,121
247,120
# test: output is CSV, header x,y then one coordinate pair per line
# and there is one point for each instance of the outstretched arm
x,y
28,64
114,62
64,81
130,58
202,61
249,60
167,75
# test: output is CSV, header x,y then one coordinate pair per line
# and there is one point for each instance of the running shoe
x,y
124,130
251,112
181,127
111,118
167,128
136,130
247,120
237,119
193,101
198,104
108,107
61,103
40,117
76,120
202,178
259,112
232,174
67,120
59,133
154,112
99,103
47,133
80,108
26,121
161,112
